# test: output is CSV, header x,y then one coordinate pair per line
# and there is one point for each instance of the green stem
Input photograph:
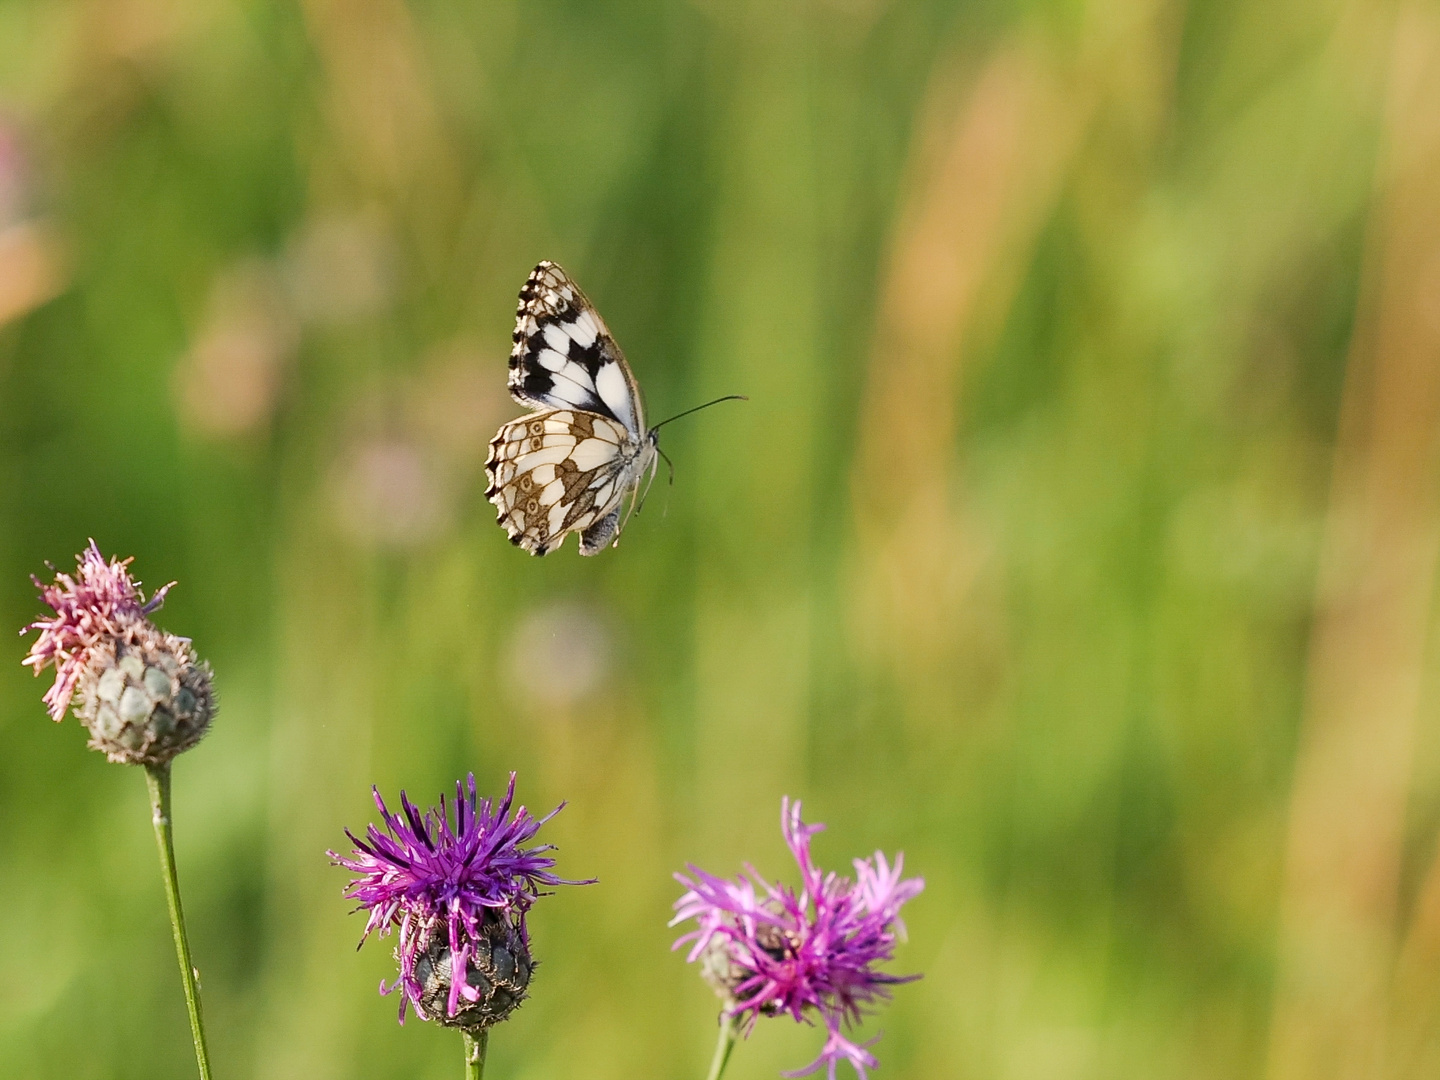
x,y
723,1047
475,1047
157,777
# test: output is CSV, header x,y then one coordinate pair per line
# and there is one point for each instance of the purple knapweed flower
x,y
769,950
457,887
142,693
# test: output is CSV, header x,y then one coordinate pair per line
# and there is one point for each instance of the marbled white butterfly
x,y
577,463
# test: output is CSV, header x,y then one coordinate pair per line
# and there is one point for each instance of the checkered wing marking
x,y
564,357
557,472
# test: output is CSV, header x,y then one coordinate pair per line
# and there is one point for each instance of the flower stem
x,y
475,1047
723,1047
157,777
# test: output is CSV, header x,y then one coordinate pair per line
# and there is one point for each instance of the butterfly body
x,y
577,463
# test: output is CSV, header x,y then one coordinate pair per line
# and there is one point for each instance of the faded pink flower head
x,y
142,693
101,603
769,950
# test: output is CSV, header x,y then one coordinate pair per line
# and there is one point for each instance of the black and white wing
x,y
564,356
574,465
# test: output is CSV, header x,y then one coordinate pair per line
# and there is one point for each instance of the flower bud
x,y
144,696
497,974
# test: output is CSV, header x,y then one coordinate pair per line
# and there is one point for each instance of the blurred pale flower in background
x,y
418,440
389,494
456,400
32,261
340,268
229,382
14,178
560,654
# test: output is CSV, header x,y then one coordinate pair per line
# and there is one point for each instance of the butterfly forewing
x,y
563,354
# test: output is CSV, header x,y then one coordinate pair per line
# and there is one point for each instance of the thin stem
x,y
157,777
475,1047
723,1047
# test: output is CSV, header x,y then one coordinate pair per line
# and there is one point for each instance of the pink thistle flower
x,y
102,603
769,950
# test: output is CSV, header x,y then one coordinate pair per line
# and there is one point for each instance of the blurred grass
x,y
1046,312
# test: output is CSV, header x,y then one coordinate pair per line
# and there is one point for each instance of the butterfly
x,y
578,462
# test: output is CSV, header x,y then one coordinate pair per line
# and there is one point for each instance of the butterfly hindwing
x,y
561,471
564,357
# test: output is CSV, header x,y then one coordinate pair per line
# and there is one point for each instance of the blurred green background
x,y
1078,537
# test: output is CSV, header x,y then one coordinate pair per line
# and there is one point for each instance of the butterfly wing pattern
x,y
576,463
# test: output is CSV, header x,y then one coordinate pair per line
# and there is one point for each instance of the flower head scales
x,y
449,880
771,950
100,603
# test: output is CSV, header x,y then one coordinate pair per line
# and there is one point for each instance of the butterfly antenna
x,y
670,464
697,408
